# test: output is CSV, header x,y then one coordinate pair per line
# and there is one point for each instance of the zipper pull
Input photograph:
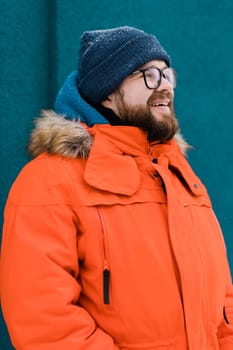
x,y
106,280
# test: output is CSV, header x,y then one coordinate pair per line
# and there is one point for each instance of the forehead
x,y
155,63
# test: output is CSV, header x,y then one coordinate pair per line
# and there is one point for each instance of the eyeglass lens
x,y
153,76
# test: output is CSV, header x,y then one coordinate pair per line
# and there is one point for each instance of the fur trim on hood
x,y
69,138
56,135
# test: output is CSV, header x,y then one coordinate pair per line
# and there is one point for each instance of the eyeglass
x,y
153,76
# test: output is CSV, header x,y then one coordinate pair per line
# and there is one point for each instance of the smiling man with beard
x,y
155,115
109,238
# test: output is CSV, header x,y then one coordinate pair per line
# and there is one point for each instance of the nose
x,y
165,85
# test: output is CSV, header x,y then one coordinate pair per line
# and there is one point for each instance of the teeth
x,y
160,104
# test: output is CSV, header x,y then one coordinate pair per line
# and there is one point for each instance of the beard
x,y
161,128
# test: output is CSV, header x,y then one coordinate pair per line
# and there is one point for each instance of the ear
x,y
108,102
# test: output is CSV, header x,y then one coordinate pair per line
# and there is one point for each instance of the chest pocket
x,y
190,189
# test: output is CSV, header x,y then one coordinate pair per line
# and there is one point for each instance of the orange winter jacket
x,y
111,243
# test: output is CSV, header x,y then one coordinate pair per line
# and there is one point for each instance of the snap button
x,y
196,186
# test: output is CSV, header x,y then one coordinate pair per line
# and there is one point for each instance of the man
x,y
110,241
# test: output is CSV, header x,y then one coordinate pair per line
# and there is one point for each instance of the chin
x,y
159,117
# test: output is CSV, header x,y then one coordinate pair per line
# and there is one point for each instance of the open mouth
x,y
160,104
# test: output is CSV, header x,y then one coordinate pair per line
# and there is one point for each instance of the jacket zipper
x,y
106,270
225,316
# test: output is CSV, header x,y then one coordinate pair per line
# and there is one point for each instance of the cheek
x,y
136,97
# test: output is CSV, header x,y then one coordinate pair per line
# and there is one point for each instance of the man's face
x,y
150,109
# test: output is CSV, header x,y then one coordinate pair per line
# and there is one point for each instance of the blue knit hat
x,y
108,56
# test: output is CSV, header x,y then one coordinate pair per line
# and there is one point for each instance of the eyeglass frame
x,y
161,74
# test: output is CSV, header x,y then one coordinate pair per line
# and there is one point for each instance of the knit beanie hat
x,y
107,57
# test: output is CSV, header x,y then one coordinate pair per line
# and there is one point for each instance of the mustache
x,y
160,95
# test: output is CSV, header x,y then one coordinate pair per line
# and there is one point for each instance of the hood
x,y
54,134
73,106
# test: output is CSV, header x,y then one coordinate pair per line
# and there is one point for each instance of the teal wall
x,y
39,46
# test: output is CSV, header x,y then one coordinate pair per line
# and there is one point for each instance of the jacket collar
x,y
119,154
103,146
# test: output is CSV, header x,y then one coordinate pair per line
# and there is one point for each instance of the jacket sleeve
x,y
39,268
225,330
